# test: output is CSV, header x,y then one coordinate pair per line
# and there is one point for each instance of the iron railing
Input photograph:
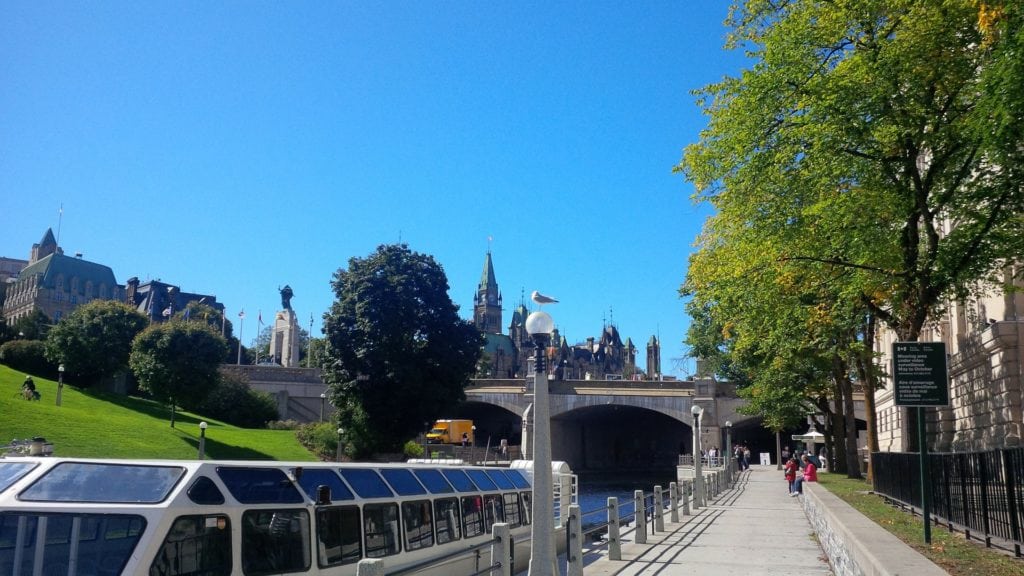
x,y
981,493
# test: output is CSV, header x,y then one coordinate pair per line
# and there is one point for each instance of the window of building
x,y
338,536
275,541
418,524
446,512
380,526
195,545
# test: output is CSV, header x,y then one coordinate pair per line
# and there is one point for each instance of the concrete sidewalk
x,y
755,528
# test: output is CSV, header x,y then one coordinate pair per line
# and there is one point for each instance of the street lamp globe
x,y
697,411
539,323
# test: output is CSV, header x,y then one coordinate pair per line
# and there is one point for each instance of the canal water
x,y
594,492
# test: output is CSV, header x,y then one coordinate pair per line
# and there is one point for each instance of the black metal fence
x,y
981,493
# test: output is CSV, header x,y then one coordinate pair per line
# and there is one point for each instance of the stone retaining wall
x,y
855,545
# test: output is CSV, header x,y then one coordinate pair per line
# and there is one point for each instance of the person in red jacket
x,y
790,471
810,475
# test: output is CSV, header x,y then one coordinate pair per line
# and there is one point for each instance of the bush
x,y
320,438
234,402
283,425
27,356
412,449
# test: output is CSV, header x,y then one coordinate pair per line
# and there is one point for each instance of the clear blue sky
x,y
233,147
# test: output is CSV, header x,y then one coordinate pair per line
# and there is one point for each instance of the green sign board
x,y
919,374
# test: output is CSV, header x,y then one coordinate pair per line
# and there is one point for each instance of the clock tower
x,y
487,301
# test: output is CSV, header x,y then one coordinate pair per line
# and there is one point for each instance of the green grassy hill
x,y
92,424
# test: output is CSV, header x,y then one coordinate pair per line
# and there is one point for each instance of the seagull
x,y
542,299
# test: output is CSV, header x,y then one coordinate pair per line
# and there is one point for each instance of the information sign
x,y
919,374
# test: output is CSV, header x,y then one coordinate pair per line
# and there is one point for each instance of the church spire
x,y
487,301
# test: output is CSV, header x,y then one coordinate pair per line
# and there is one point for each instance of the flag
x,y
167,312
260,318
241,314
188,312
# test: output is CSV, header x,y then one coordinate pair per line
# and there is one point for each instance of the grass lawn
x,y
951,551
93,424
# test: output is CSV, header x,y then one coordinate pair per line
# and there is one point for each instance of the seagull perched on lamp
x,y
542,299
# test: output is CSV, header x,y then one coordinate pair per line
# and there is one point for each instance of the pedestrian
x,y
465,439
789,470
746,457
810,475
785,454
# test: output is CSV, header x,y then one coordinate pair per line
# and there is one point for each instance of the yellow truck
x,y
451,432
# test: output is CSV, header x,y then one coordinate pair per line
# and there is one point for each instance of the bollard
x,y
640,537
574,553
659,513
686,497
370,567
614,546
501,551
673,495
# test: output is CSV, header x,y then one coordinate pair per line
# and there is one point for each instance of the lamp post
x,y
323,397
202,440
542,545
728,451
60,381
341,450
698,480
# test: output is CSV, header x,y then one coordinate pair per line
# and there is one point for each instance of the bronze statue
x,y
286,297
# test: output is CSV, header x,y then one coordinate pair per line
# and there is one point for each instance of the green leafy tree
x,y
400,356
94,341
177,362
34,326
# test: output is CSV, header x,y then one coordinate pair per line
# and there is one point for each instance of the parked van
x,y
450,432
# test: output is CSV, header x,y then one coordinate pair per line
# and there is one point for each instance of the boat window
x,y
446,512
480,479
312,478
517,478
50,543
402,481
380,524
494,510
525,500
11,472
366,483
512,513
500,479
195,545
339,538
472,516
275,541
459,479
259,485
417,519
204,491
434,481
108,483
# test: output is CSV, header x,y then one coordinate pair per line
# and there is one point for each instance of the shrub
x,y
283,425
27,356
412,449
320,438
234,402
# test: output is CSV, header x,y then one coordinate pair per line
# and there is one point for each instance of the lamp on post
x,y
539,325
698,480
60,381
728,451
323,398
202,440
341,445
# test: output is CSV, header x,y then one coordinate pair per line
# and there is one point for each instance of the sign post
x,y
920,379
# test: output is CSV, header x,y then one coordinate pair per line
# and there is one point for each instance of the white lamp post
x,y
698,480
323,397
341,434
728,451
539,325
202,440
60,382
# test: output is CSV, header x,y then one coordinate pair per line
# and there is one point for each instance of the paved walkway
x,y
753,529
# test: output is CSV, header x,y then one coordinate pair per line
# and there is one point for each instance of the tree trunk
x,y
850,418
837,450
869,379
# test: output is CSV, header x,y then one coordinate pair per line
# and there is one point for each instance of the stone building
x,y
57,284
160,300
984,339
509,355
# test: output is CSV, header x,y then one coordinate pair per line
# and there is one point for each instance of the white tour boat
x,y
88,517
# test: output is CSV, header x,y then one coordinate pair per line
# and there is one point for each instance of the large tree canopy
x,y
177,362
94,341
400,356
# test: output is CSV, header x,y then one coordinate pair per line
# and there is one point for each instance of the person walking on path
x,y
810,475
789,471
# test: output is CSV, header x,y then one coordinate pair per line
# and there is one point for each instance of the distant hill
x,y
92,424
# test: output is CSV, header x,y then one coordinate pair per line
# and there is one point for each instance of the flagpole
x,y
259,326
241,324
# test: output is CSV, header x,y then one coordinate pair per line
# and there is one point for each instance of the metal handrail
x,y
412,569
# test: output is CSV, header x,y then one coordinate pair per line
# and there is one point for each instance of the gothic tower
x,y
46,246
653,359
487,301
